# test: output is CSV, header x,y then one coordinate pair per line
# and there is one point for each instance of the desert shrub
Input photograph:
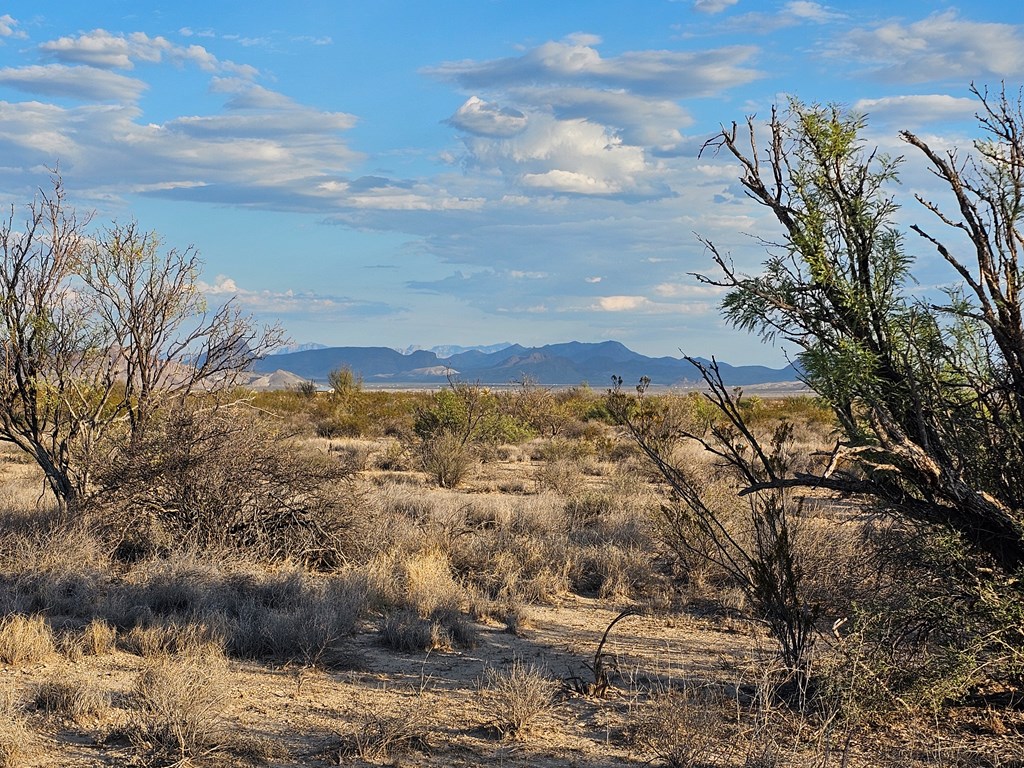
x,y
684,728
221,480
446,458
563,476
354,455
69,697
25,639
377,736
173,636
307,389
584,511
405,630
393,458
176,708
518,697
312,630
610,570
520,550
422,581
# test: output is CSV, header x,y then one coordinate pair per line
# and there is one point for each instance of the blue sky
x,y
405,173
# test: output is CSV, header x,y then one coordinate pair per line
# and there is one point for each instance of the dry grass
x,y
518,697
25,640
98,638
71,697
376,737
17,741
529,556
176,708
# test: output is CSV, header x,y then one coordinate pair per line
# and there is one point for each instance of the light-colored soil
x,y
308,712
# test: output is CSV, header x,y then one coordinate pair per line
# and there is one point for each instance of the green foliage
x,y
929,395
344,383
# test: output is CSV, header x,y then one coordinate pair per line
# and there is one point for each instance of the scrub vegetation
x,y
196,574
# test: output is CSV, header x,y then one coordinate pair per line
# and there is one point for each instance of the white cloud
x,y
105,50
83,82
573,156
643,305
622,303
487,119
940,47
562,119
292,303
917,109
676,74
809,11
791,14
9,27
712,6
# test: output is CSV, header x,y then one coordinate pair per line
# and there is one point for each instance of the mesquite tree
x,y
930,394
97,333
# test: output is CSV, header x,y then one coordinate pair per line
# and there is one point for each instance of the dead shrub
x,y
518,697
25,639
221,481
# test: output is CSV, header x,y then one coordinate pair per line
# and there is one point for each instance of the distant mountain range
x,y
566,364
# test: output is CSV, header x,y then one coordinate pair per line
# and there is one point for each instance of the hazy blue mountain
x,y
565,364
447,350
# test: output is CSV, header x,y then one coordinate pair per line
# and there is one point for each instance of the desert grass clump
x,y
377,737
518,697
406,631
66,696
17,741
174,636
176,709
684,728
313,632
98,638
25,639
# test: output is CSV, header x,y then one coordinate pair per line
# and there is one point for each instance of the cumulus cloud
x,y
83,83
675,74
560,118
9,27
572,156
940,47
487,119
105,50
